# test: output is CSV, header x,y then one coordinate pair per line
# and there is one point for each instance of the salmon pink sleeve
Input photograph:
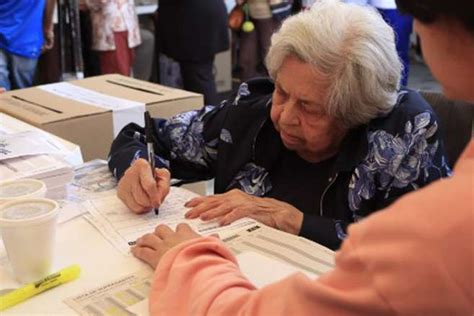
x,y
201,277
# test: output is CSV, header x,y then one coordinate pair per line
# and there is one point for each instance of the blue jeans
x,y
16,72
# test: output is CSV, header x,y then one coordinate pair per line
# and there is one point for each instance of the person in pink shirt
x,y
414,258
115,34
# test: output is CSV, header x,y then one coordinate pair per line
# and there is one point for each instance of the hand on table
x,y
150,248
235,204
139,191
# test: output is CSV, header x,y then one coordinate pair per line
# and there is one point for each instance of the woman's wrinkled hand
x,y
235,204
139,190
150,248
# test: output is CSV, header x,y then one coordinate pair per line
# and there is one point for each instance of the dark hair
x,y
429,11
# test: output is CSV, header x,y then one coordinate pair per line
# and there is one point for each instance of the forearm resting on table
x,y
201,277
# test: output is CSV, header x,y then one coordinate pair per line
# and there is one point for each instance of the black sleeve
x,y
325,231
186,144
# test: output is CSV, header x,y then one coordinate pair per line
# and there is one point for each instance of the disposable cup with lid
x,y
28,229
21,189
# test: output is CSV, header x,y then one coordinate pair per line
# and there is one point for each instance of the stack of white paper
x,y
35,155
70,152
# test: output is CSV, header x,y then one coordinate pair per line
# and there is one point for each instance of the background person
x,y
115,34
254,45
26,29
331,141
414,258
192,32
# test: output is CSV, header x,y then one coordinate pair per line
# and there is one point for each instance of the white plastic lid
x,y
27,212
21,188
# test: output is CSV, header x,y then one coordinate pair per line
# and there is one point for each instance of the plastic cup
x,y
28,229
21,189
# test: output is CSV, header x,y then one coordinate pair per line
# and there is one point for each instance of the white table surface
x,y
78,242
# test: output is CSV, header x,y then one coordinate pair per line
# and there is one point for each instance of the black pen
x,y
150,148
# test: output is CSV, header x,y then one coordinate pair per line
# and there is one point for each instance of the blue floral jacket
x,y
232,142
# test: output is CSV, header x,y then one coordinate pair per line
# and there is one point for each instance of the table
x,y
79,242
100,263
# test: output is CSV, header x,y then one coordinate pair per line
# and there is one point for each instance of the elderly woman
x,y
329,141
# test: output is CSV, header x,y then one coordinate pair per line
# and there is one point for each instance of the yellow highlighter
x,y
19,295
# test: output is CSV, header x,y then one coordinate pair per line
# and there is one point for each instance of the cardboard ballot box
x,y
90,112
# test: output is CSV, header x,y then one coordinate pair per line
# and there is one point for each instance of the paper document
x,y
29,143
92,180
264,255
123,111
122,227
70,152
270,270
113,298
50,169
29,167
141,308
248,261
71,209
300,253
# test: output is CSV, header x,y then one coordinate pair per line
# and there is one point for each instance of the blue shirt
x,y
21,27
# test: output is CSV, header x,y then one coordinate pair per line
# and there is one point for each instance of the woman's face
x,y
298,112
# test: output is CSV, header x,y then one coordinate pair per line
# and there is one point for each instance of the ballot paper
x,y
69,210
70,152
140,308
52,170
38,155
92,180
264,256
29,143
122,227
290,250
259,269
113,298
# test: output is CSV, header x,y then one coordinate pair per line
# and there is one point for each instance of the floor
x,y
420,77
